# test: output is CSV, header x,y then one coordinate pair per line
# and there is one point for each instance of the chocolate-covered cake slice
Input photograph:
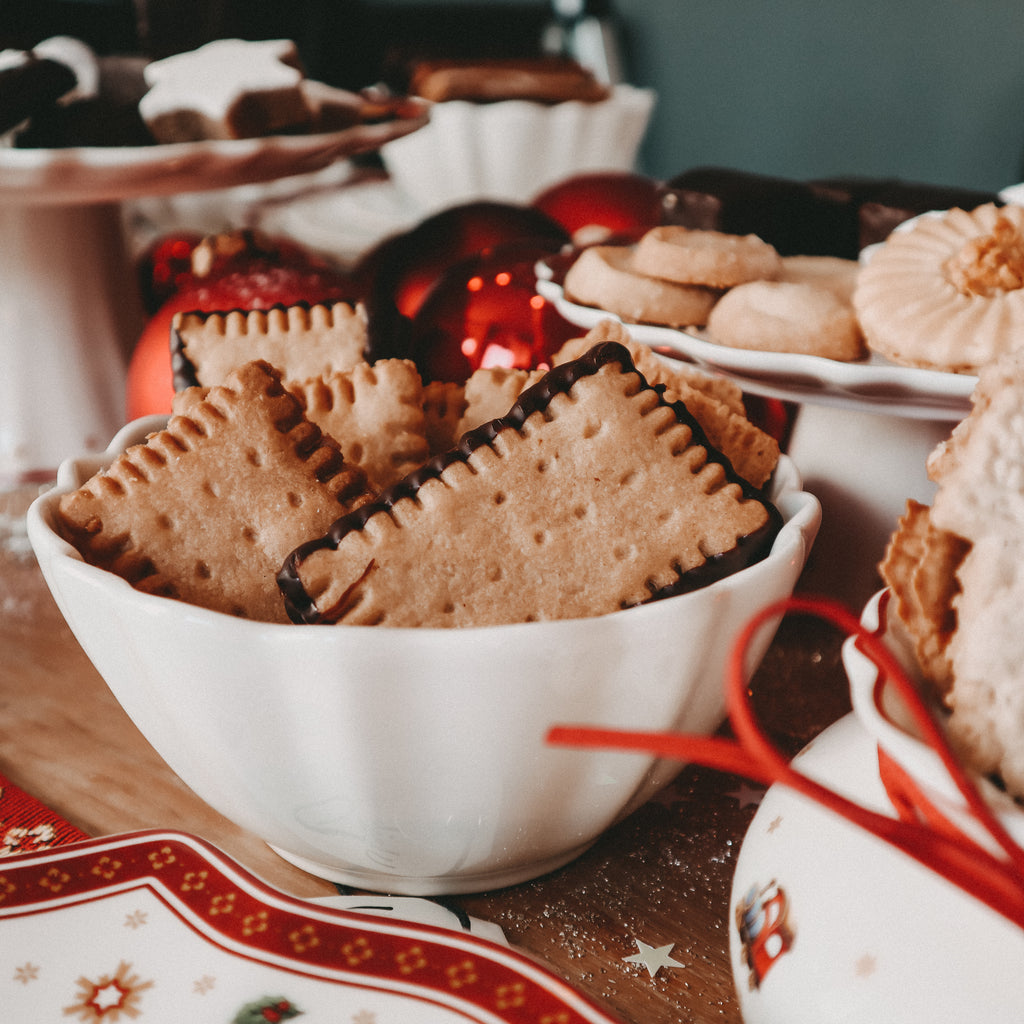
x,y
798,218
835,216
898,201
592,494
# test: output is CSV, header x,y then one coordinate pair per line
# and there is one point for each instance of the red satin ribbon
x,y
995,878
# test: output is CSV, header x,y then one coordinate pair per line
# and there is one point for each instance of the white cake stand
x,y
862,435
69,303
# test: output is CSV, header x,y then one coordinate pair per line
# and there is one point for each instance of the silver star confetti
x,y
653,957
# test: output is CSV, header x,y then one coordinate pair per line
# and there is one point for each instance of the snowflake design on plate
x,y
203,985
110,996
26,973
136,919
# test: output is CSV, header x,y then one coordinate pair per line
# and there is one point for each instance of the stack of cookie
x,y
360,496
954,570
738,287
319,350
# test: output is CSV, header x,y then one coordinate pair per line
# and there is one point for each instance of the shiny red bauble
x,y
485,312
396,277
603,205
256,282
407,264
165,267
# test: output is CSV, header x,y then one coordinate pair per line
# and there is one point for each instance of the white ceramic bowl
x,y
512,150
412,760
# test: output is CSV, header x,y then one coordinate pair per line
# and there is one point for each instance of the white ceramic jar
x,y
830,924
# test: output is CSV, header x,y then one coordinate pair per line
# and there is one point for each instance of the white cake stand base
x,y
863,467
69,312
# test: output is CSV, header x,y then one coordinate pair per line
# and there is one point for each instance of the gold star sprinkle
x,y
747,796
26,973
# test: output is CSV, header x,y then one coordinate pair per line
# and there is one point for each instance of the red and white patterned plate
x,y
161,926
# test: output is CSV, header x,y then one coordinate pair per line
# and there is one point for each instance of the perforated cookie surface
x,y
206,509
591,495
375,412
300,341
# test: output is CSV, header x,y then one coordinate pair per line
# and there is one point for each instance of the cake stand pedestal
x,y
69,311
863,465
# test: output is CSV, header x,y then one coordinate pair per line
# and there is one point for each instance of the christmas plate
x,y
160,926
874,384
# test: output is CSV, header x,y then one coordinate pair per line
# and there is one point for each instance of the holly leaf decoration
x,y
268,1010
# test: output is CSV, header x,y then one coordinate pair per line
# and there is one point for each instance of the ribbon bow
x,y
993,875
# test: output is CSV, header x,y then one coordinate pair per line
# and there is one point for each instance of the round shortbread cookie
x,y
832,272
604,276
713,259
947,291
784,316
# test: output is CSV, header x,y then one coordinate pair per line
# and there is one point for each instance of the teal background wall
x,y
926,91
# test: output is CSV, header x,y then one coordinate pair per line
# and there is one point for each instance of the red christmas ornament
x,y
246,274
485,311
398,275
603,205
165,267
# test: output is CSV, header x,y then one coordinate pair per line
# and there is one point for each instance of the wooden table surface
x,y
661,877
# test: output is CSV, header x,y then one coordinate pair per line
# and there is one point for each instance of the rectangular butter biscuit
x,y
206,509
657,369
444,405
592,494
716,402
375,413
300,341
489,392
